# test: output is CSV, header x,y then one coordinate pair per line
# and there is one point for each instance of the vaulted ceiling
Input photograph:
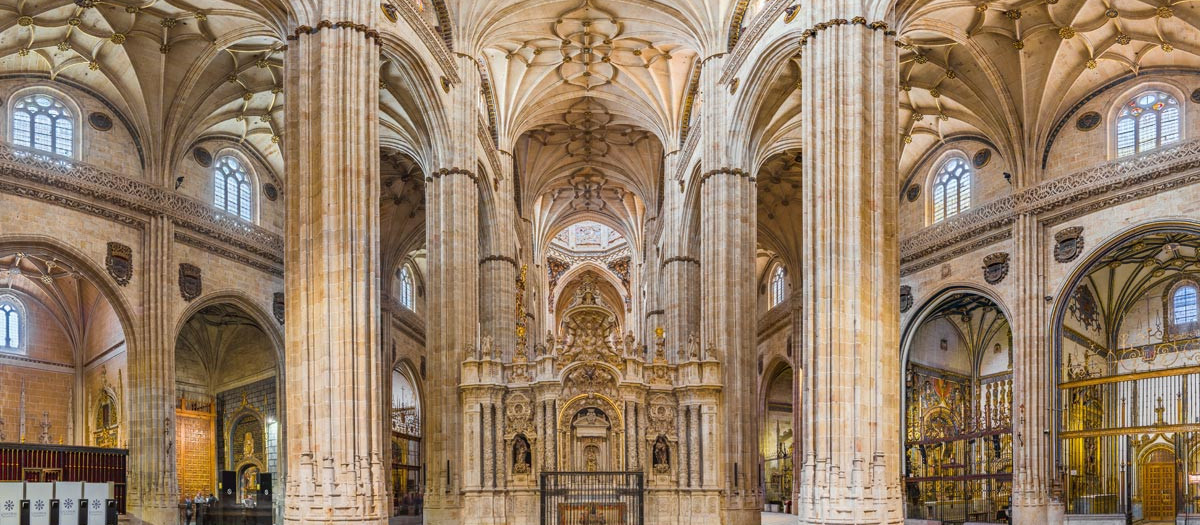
x,y
1009,70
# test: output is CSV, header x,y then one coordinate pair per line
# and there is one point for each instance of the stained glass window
x,y
778,286
231,187
1183,305
406,288
43,123
1146,122
952,189
11,328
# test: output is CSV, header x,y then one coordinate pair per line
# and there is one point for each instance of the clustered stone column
x,y
850,357
728,303
452,310
1032,448
153,487
334,363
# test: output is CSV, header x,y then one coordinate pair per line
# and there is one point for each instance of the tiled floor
x,y
770,518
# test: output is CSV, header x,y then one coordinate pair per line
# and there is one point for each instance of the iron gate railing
x,y
592,498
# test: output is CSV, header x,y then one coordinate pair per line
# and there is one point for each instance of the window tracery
x,y
1146,122
406,288
778,286
951,189
12,324
42,122
231,187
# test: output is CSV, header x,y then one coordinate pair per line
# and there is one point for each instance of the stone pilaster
x,y
1032,447
727,247
850,355
333,361
153,487
452,313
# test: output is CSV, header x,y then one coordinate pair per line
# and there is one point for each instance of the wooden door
x,y
1158,486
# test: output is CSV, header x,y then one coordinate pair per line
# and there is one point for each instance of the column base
x,y
1031,514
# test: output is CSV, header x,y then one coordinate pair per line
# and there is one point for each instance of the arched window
x,y
406,288
1183,305
42,122
11,324
1147,121
231,187
778,286
951,189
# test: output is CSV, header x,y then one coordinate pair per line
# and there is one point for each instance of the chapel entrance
x,y
592,498
1158,485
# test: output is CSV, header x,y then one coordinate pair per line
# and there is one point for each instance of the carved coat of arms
x,y
119,262
190,285
277,306
906,298
1068,244
995,267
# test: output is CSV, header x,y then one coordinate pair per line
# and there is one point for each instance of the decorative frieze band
x,y
498,258
371,34
446,172
83,187
1054,201
680,258
725,171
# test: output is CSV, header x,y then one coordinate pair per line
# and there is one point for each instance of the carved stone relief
x,y
119,262
1068,244
190,284
995,267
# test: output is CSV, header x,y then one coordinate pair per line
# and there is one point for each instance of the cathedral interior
x,y
600,262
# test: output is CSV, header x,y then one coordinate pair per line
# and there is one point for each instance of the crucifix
x,y
44,437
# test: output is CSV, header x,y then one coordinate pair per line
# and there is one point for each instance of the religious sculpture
x,y
44,437
522,458
662,455
248,446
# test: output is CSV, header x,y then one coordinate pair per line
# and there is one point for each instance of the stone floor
x,y
771,518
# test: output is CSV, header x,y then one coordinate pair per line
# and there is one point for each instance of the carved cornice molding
x,y
446,172
489,150
369,33
660,311
680,258
725,171
499,258
89,189
434,42
685,155
1054,201
223,251
750,37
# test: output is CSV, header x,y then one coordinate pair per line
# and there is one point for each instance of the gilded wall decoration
x,y
246,441
119,262
995,267
100,121
1068,244
621,268
906,298
190,285
982,158
277,306
1088,121
202,157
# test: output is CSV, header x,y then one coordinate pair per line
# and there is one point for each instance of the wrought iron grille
x,y
592,498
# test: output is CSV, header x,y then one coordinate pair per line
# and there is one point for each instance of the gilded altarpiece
x,y
958,445
589,398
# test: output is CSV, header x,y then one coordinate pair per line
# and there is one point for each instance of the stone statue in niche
x,y
693,346
486,347
522,458
591,458
662,455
